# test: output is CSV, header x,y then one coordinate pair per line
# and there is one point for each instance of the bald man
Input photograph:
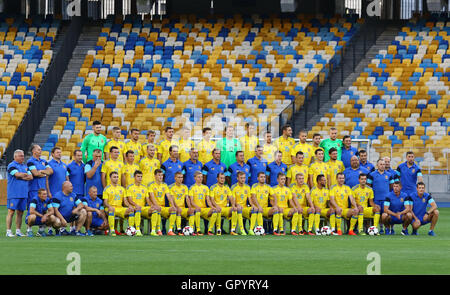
x,y
389,170
66,209
352,173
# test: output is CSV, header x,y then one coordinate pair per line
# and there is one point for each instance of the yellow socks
x,y
131,220
353,221
212,221
338,222
234,217
294,221
259,219
275,221
317,221
253,220
137,220
311,218
154,220
197,221
360,222
111,221
219,221
300,222
172,219
376,219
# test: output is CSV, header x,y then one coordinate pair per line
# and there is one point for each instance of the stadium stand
x,y
152,74
400,101
25,54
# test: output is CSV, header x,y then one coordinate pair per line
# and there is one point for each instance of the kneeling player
x,y
320,196
302,199
40,213
136,197
96,217
260,195
282,196
397,210
113,197
340,196
221,199
198,195
422,216
179,193
363,197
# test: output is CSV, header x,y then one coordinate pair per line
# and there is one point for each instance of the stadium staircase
x,y
87,41
384,36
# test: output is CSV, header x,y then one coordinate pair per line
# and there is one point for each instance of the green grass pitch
x,y
229,254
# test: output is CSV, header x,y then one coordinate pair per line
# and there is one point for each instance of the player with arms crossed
x,y
422,216
340,195
320,196
302,199
221,198
283,199
363,197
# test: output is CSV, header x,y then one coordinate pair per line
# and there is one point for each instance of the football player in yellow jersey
x,y
269,148
134,145
296,168
136,198
113,196
317,168
161,194
185,144
334,166
305,148
115,141
242,196
149,164
260,196
114,164
198,194
206,146
316,139
128,169
249,141
179,193
165,144
285,143
221,198
340,196
283,196
302,199
151,136
320,197
363,198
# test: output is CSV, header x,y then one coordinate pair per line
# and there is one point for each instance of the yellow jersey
x,y
306,149
341,195
117,143
269,152
295,169
205,149
128,171
220,194
112,166
300,192
241,194
136,147
148,167
159,191
114,195
362,195
248,144
285,146
262,193
320,197
179,193
283,195
334,167
316,169
144,149
199,194
163,148
137,193
184,148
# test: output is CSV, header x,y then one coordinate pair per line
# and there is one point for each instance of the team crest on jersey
x,y
414,170
12,204
179,166
386,176
401,199
423,200
97,205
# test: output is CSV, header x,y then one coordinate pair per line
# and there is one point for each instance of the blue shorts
x,y
381,204
96,222
395,220
70,218
17,204
37,221
422,222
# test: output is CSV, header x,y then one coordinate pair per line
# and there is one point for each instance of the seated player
x,y
41,214
364,197
242,195
283,200
260,195
302,199
397,210
320,196
422,216
96,218
136,198
161,195
221,199
198,195
343,202
66,210
179,193
113,199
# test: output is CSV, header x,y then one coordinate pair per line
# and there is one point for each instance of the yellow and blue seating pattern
x,y
401,100
25,54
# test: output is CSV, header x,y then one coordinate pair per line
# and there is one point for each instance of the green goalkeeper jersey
x,y
90,143
327,144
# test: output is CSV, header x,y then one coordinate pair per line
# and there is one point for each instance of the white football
x,y
131,231
187,231
259,230
325,231
372,231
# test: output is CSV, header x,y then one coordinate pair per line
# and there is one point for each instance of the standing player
x,y
39,169
274,168
422,215
409,173
185,144
285,143
59,175
397,210
238,166
302,199
348,151
249,141
332,142
134,145
151,136
316,139
76,173
114,164
17,191
334,166
149,164
213,168
113,196
319,167
136,196
341,198
93,171
190,167
179,193
363,197
171,166
363,161
41,214
303,147
320,196
165,144
221,198
128,169
93,141
283,196
257,164
269,148
242,198
96,218
352,173
205,146
116,141
296,168
260,195
228,146
198,194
